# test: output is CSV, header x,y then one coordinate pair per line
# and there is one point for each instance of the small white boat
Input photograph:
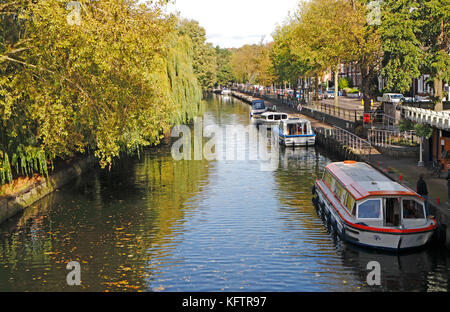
x,y
369,209
226,92
272,118
295,132
258,107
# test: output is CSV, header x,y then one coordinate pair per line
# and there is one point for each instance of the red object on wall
x,y
366,118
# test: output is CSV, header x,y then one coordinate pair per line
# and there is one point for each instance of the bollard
x,y
438,200
389,170
401,178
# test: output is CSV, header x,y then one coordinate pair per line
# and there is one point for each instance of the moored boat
x,y
295,132
369,209
258,107
272,118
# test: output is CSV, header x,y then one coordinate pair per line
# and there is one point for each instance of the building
x,y
437,147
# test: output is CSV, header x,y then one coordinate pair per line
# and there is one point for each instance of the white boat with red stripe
x,y
369,209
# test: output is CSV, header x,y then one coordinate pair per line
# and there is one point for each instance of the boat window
x,y
285,117
328,178
258,105
354,209
392,212
338,189
295,129
412,209
270,117
277,117
370,209
349,202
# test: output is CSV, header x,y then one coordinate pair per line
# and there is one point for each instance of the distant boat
x,y
226,92
295,132
258,107
369,209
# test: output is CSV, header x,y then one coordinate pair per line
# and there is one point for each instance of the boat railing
x,y
357,145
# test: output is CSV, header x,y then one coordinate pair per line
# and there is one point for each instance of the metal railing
x,y
386,138
357,145
336,111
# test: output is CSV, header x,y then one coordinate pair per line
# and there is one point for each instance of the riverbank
x,y
12,204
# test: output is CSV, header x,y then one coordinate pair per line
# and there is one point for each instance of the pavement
x,y
344,102
410,172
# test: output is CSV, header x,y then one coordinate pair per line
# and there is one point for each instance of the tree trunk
x,y
438,94
316,86
336,85
365,88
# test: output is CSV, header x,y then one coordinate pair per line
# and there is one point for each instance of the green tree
x,y
107,86
323,36
253,64
415,41
205,59
224,70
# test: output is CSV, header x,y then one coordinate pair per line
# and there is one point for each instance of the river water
x,y
156,224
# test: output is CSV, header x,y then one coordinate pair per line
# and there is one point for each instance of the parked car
x,y
422,98
392,97
329,94
409,100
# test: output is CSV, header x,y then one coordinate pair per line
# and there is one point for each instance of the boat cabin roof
x,y
273,113
362,180
295,121
257,101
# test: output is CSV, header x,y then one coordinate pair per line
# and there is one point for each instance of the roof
x,y
296,120
362,180
273,113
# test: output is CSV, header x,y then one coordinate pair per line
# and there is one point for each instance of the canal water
x,y
156,224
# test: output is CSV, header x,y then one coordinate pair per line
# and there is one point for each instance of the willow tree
x,y
102,84
204,62
185,91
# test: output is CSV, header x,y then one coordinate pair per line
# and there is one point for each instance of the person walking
x,y
422,190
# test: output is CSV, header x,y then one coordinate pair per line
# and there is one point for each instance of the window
x,y
338,189
412,210
349,202
328,178
370,209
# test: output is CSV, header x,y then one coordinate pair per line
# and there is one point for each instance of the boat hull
x,y
371,238
257,112
303,140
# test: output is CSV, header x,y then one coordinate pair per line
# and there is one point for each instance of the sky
x,y
233,23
